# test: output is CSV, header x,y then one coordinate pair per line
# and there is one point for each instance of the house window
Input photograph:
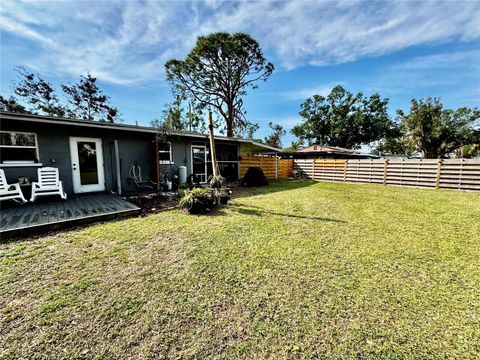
x,y
165,153
18,147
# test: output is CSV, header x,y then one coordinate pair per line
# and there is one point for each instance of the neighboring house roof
x,y
319,150
249,145
327,149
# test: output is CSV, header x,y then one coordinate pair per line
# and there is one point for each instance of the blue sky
x,y
402,50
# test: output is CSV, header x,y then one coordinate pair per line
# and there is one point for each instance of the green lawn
x,y
293,270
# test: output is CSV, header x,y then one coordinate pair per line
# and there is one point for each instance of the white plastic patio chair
x,y
48,184
10,191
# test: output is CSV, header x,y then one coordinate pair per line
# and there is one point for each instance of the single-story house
x,y
95,156
326,152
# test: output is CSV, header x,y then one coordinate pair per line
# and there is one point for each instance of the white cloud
x,y
452,70
23,31
465,59
128,42
302,94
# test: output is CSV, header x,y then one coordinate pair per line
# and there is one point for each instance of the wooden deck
x,y
45,214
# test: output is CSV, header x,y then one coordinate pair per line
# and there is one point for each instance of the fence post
x,y
276,166
345,164
439,169
313,170
385,168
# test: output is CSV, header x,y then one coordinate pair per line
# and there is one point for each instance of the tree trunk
x,y
230,119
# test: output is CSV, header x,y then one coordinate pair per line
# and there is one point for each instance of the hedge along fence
x,y
461,174
273,167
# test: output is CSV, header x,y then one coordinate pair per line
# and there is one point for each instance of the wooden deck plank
x,y
95,202
89,206
107,201
114,202
25,221
35,215
15,218
60,210
5,210
52,212
72,210
100,199
95,206
82,207
5,214
48,214
124,204
43,217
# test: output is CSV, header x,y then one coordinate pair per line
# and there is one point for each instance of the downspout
x,y
117,167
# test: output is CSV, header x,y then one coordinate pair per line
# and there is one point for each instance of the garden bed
x,y
153,203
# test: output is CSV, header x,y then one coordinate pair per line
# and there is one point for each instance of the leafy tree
x,y
11,104
173,116
176,117
343,119
395,142
38,93
469,151
436,132
294,146
275,138
250,131
217,73
88,101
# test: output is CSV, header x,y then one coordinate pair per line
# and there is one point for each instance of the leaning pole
x,y
213,153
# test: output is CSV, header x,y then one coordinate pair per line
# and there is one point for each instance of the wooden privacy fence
x,y
273,167
462,174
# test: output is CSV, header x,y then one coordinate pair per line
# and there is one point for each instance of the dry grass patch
x,y
79,291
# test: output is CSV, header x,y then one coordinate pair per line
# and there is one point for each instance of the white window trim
x,y
167,162
23,163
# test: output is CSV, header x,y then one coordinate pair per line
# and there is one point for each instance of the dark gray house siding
x,y
135,146
54,150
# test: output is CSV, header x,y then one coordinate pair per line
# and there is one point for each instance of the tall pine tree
x,y
38,94
88,101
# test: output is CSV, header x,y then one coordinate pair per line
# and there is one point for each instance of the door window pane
x,y
198,159
87,158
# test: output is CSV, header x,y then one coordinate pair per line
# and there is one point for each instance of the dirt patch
x,y
153,203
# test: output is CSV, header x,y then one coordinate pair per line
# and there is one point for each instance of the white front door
x,y
87,164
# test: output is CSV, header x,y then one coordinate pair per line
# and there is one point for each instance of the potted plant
x,y
221,192
182,189
216,182
197,200
224,195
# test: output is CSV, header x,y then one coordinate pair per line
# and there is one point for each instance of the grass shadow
x,y
273,187
257,211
